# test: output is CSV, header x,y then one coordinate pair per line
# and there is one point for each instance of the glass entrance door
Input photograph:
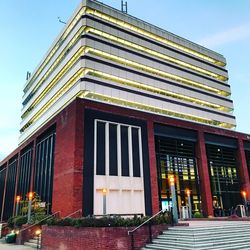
x,y
177,157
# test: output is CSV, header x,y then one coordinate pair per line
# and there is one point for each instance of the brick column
x,y
205,188
32,166
4,192
153,167
243,170
16,186
68,164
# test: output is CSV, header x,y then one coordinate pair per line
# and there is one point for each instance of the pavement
x,y
5,246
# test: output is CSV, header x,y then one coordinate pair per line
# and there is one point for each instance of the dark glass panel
x,y
10,190
224,178
113,150
100,159
136,152
124,151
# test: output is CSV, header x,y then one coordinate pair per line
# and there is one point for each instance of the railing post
x,y
132,242
171,214
150,232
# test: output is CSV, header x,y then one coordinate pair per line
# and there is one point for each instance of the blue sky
x,y
28,28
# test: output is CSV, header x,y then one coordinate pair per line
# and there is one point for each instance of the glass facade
x,y
44,168
10,189
177,157
224,177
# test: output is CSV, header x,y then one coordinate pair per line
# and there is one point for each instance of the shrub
x,y
198,215
108,221
16,221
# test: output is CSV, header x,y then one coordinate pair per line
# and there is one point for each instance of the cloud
x,y
227,36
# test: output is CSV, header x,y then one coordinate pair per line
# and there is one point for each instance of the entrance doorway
x,y
224,178
177,157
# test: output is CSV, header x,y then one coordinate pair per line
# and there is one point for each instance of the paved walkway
x,y
5,246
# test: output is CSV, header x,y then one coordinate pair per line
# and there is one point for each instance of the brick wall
x,y
103,238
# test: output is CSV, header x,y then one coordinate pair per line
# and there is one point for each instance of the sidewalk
x,y
5,246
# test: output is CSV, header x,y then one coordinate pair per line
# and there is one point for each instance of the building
x,y
115,107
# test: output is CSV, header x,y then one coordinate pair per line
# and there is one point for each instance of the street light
x,y
244,194
104,201
18,198
189,203
174,202
30,196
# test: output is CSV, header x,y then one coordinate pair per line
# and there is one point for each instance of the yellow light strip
x,y
59,58
83,50
155,71
87,94
152,36
156,90
55,48
155,53
83,72
50,102
69,64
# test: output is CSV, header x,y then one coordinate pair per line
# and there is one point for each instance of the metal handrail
x,y
152,217
68,216
131,232
58,212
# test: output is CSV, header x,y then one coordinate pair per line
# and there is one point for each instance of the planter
x,y
96,238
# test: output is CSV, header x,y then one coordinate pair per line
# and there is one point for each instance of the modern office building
x,y
114,108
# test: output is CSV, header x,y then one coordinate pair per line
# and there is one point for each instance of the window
x,y
118,150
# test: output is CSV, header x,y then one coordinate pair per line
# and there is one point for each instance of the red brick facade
x,y
69,154
115,238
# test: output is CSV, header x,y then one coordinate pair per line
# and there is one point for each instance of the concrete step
x,y
36,241
30,244
244,246
205,236
223,236
211,228
201,243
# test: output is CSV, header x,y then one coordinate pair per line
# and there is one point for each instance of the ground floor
x,y
106,159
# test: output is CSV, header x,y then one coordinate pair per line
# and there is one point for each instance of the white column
x,y
140,151
95,145
130,152
107,149
119,159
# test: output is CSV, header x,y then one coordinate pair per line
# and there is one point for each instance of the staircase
x,y
217,235
34,243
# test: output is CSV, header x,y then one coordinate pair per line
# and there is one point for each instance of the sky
x,y
28,28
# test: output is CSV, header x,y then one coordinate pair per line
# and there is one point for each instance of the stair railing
x,y
77,211
38,222
131,232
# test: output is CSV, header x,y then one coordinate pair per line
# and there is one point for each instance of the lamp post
x,y
189,203
104,201
18,198
244,194
174,202
30,197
